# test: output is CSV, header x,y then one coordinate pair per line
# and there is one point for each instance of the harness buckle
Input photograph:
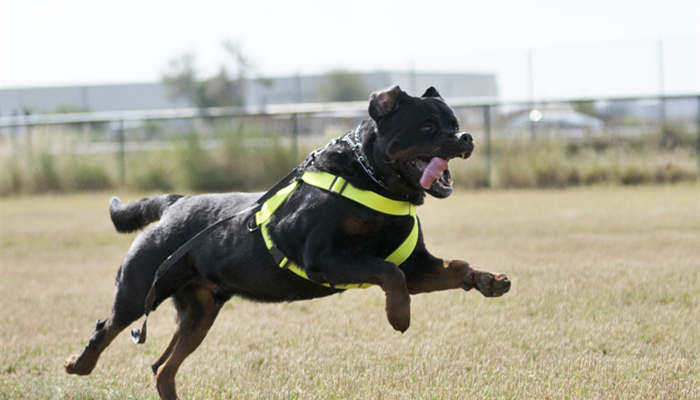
x,y
252,224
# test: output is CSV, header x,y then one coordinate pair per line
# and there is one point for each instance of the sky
x,y
575,48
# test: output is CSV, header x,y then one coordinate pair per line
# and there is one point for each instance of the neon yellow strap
x,y
271,205
367,198
405,249
342,187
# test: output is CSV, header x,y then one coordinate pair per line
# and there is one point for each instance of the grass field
x,y
605,303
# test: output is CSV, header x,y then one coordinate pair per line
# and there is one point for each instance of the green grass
x,y
605,304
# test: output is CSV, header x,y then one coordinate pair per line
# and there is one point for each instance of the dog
x,y
310,237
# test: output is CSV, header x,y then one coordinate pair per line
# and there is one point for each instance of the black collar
x,y
353,139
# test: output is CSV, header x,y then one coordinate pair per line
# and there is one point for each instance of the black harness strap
x,y
139,335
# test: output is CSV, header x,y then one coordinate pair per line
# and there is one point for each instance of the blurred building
x,y
259,92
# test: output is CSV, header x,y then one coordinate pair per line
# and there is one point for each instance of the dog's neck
x,y
339,158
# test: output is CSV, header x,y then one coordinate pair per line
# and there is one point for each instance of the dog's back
x,y
136,215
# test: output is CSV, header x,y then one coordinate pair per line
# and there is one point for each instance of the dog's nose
x,y
465,137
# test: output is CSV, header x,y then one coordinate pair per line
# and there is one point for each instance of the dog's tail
x,y
136,215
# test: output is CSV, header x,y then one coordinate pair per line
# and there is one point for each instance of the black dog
x,y
319,241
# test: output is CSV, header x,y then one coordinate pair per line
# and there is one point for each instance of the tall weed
x,y
232,159
45,175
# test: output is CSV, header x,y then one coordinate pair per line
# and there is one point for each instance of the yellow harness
x,y
341,186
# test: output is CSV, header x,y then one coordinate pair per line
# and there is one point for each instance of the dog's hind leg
x,y
101,337
105,331
128,306
133,281
166,353
197,309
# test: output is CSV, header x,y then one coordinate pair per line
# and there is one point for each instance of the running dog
x,y
344,218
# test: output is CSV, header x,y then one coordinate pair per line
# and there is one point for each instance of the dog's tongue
x,y
432,172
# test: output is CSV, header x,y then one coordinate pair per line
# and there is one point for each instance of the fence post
x,y
295,118
121,155
697,138
662,97
487,137
295,137
28,139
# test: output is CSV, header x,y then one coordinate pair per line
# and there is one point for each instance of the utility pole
x,y
414,84
662,84
531,91
487,137
295,118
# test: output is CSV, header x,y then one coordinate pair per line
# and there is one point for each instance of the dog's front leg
x,y
435,274
337,270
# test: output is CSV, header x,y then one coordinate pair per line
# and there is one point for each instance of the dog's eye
x,y
428,127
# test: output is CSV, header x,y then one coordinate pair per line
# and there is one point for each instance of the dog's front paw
x,y
491,285
398,311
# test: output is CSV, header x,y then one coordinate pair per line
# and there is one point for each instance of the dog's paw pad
x,y
491,285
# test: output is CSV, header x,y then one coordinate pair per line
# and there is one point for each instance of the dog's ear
x,y
431,92
385,101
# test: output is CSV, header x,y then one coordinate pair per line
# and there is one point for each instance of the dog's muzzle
x,y
466,141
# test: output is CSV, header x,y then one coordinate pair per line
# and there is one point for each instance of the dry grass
x,y
605,304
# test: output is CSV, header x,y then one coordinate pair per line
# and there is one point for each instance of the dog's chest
x,y
310,222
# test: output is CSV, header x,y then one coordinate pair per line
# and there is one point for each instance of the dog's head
x,y
412,131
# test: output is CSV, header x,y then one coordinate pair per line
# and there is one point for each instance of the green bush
x,y
80,174
596,172
672,173
515,172
45,177
277,161
674,136
551,165
201,171
635,174
596,144
153,178
233,159
12,180
553,172
474,175
153,171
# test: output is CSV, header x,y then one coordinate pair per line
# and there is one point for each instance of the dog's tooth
x,y
464,155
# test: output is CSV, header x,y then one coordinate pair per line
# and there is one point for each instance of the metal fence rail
x,y
294,109
487,119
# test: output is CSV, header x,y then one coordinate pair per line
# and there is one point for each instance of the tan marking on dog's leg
x,y
192,328
166,353
448,275
456,274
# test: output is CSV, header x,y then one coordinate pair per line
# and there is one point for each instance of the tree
x,y
182,81
586,107
342,85
181,78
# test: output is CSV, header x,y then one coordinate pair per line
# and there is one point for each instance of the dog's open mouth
x,y
434,175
